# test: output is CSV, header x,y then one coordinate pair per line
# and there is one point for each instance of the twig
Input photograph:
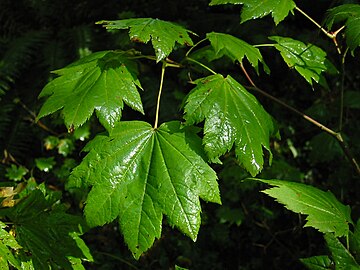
x,y
159,95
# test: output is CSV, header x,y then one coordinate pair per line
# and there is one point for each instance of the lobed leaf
x,y
138,174
163,34
350,14
236,49
308,60
102,81
324,212
317,262
232,116
254,9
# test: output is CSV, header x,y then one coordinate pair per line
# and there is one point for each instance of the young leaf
x,y
309,60
253,9
324,211
8,244
350,13
317,263
236,49
139,173
232,116
163,34
102,81
49,235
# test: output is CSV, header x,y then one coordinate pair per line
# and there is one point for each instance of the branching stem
x,y
164,64
201,64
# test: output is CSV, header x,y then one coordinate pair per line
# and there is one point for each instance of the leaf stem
x,y
341,113
201,64
264,45
163,67
193,47
336,135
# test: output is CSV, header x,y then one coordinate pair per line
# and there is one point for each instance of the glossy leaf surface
x,y
236,49
324,212
138,174
308,60
163,34
254,9
232,116
102,82
317,263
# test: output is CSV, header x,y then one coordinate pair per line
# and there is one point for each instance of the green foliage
x,y
324,212
7,245
317,263
253,9
163,34
232,116
139,173
102,81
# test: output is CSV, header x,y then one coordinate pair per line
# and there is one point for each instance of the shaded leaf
x,y
309,60
254,9
317,263
16,173
236,49
163,34
324,212
102,81
139,173
45,164
350,14
232,116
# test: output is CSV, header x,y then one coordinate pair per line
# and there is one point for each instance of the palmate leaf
x,y
102,81
350,13
324,212
139,173
232,116
309,60
163,34
254,9
236,49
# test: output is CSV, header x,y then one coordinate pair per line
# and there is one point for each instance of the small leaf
x,y
138,174
324,211
309,60
8,245
45,164
340,255
236,49
16,173
317,263
254,9
232,117
163,34
350,13
102,81
65,147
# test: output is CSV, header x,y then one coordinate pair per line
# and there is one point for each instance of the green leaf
x,y
309,60
102,81
340,255
236,49
232,116
139,173
324,212
16,173
350,13
45,164
317,263
48,234
163,34
8,245
254,9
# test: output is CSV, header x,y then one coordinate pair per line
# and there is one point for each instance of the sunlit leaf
x,y
16,173
138,174
324,212
232,116
102,82
317,263
8,245
45,164
163,34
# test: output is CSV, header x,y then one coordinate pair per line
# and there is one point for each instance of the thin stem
x,y
189,51
164,64
336,135
117,258
342,87
314,22
201,64
264,45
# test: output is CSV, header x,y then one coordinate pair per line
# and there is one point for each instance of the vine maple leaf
x,y
139,173
232,116
163,34
102,81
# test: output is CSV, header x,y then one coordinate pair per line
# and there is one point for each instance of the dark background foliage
x,y
249,230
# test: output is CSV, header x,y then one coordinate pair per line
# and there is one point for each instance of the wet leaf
x,y
45,164
16,173
317,263
232,116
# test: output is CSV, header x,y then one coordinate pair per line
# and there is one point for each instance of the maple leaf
x,y
232,116
139,173
324,212
253,9
102,81
236,49
163,34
